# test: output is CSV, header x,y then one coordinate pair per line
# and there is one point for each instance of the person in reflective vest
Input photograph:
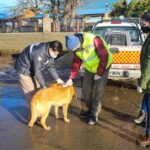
x,y
93,53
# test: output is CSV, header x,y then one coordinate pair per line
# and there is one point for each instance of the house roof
x,y
38,16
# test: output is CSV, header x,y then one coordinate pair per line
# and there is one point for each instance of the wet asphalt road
x,y
115,129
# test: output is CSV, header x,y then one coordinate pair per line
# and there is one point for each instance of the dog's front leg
x,y
65,111
56,112
32,120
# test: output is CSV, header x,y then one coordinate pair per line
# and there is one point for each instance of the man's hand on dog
x,y
65,84
59,81
69,82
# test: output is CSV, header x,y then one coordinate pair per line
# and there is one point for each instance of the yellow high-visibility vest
x,y
89,56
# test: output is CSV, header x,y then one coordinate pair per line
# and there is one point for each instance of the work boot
x,y
144,141
85,114
141,118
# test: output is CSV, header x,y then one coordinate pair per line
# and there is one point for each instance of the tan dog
x,y
56,95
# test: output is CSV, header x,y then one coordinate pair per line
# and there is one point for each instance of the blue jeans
x,y
146,108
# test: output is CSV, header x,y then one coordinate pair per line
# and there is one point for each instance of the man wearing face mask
x,y
32,60
96,58
144,81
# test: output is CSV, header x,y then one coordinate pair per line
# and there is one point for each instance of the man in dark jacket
x,y
31,62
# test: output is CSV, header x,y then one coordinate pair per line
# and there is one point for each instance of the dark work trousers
x,y
93,91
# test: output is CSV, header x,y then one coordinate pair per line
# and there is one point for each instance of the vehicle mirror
x,y
114,50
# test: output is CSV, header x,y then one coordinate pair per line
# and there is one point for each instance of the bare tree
x,y
65,9
66,13
70,13
55,4
74,5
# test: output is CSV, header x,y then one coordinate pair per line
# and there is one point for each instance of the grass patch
x,y
6,52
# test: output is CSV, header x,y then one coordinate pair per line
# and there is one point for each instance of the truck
x,y
125,40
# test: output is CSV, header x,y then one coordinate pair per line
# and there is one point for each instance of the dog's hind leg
x,y
43,119
33,118
65,111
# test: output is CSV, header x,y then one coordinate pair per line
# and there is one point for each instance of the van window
x,y
134,34
116,39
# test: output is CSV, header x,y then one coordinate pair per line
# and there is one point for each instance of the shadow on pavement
x,y
13,101
130,84
118,130
119,115
21,113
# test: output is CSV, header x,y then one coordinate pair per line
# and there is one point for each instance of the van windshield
x,y
134,34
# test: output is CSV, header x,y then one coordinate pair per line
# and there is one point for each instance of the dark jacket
x,y
33,60
144,81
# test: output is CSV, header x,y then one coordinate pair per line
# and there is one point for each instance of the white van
x,y
128,39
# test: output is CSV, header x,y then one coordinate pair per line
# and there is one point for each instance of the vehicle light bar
x,y
115,22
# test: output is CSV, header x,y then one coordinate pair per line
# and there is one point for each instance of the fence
x,y
36,25
61,25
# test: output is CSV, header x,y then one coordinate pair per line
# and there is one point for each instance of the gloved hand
x,y
96,77
59,81
69,82
139,89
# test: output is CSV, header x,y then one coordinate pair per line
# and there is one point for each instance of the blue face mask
x,y
52,55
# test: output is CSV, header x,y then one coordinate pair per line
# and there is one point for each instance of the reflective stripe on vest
x,y
31,48
91,58
88,54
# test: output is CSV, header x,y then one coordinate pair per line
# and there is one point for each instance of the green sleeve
x,y
145,70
